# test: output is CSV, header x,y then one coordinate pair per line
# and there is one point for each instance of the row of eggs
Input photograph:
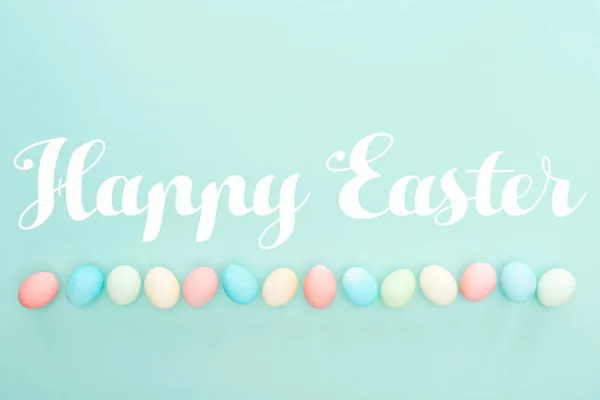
x,y
123,285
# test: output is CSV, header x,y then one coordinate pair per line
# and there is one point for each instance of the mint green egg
x,y
398,288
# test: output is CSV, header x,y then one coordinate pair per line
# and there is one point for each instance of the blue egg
x,y
239,284
84,285
518,282
360,287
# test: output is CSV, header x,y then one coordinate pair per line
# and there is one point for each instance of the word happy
x,y
451,209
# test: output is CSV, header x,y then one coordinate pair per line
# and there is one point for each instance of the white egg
x,y
556,287
123,285
162,287
438,285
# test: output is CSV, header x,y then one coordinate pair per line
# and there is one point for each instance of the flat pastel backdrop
x,y
211,89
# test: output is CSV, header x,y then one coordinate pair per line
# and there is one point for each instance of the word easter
x,y
455,203
455,200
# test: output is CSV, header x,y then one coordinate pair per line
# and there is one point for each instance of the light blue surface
x,y
360,287
240,284
212,89
84,285
518,282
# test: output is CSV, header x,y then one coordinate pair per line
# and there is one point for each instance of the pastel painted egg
x,y
478,281
123,285
556,287
398,288
38,290
279,287
85,285
161,287
320,287
240,284
200,286
438,285
518,282
360,287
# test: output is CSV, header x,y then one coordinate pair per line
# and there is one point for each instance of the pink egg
x,y
320,287
478,281
38,290
200,286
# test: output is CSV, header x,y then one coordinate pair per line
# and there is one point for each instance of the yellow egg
x,y
279,287
161,287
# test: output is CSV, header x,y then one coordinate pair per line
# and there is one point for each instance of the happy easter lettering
x,y
449,211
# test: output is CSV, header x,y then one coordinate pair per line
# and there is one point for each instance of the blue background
x,y
211,89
